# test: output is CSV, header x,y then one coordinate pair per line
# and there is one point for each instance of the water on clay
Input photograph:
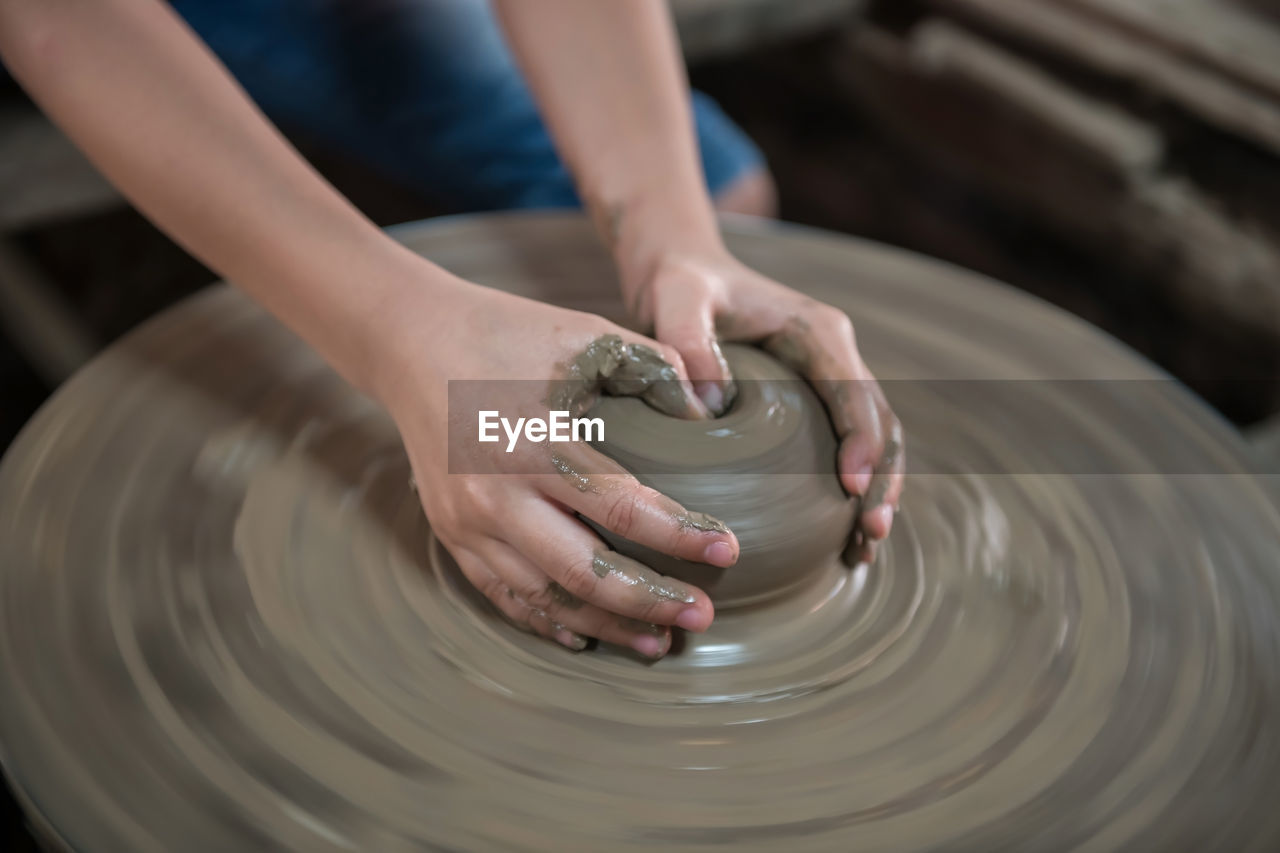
x,y
225,623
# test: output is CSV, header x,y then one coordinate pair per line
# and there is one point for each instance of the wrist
x,y
406,322
647,230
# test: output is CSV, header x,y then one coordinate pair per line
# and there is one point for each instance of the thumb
x,y
685,320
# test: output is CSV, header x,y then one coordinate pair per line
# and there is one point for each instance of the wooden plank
x,y
1065,34
1226,37
1112,139
1153,224
715,28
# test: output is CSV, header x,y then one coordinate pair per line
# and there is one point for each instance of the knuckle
x,y
580,581
833,321
536,597
476,500
492,588
687,541
698,283
645,607
688,339
621,513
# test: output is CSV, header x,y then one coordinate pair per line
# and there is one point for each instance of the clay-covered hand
x,y
509,518
694,300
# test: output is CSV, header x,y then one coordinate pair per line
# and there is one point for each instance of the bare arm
x,y
165,122
610,83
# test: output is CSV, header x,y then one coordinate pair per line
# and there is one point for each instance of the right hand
x,y
510,520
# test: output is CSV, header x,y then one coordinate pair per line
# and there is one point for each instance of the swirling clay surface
x,y
756,469
225,624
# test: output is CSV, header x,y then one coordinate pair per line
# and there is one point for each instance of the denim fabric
x,y
423,91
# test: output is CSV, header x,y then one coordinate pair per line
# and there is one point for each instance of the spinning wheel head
x,y
225,623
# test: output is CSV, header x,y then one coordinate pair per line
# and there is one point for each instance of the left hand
x,y
693,300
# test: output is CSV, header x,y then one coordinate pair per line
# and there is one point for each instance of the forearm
x,y
161,118
610,83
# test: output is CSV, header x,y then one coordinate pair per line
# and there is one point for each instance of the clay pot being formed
x,y
766,468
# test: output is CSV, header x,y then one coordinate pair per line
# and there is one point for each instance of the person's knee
x,y
753,193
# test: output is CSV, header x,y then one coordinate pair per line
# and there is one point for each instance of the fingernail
x,y
882,518
649,645
862,479
711,394
569,639
691,619
719,554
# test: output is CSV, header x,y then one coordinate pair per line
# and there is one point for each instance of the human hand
x,y
508,519
695,298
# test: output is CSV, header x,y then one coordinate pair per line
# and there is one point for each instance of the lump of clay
x,y
766,468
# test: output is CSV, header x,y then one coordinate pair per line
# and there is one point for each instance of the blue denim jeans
x,y
423,91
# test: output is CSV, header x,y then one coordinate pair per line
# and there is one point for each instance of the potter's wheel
x,y
225,624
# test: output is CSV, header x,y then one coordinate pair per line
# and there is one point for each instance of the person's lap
x,y
424,91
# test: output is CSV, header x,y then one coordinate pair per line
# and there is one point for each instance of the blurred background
x,y
1120,158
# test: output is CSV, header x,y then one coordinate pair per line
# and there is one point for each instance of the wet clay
x,y
754,470
608,365
635,574
225,624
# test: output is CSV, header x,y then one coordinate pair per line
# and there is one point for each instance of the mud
x,y
609,365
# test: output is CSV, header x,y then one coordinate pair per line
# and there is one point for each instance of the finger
x,y
860,550
518,612
568,552
881,499
534,588
858,422
686,321
619,503
823,348
820,345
